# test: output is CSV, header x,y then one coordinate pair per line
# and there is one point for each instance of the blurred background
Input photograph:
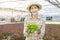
x,y
13,13
15,10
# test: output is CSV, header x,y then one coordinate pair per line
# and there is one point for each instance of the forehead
x,y
33,6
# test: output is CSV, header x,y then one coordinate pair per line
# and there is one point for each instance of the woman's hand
x,y
38,31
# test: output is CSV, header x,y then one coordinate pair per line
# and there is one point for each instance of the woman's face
x,y
34,9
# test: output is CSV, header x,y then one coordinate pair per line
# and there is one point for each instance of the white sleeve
x,y
25,22
42,30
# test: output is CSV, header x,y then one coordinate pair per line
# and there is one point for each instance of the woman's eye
x,y
32,8
35,7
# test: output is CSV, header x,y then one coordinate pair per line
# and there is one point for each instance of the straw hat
x,y
38,5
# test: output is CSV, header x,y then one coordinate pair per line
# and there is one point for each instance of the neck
x,y
35,15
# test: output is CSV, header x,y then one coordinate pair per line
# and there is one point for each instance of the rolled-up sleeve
x,y
42,30
25,22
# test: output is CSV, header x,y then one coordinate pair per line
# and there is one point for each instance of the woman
x,y
38,34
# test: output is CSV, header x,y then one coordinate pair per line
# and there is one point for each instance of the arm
x,y
42,30
25,22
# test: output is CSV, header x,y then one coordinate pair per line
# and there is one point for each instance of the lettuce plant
x,y
31,27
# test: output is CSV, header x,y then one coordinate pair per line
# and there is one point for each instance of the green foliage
x,y
31,27
1,36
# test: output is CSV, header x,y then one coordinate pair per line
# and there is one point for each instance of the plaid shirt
x,y
35,35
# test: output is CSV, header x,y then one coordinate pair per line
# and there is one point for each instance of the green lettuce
x,y
31,27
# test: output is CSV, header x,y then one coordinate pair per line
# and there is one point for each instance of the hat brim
x,y
39,5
